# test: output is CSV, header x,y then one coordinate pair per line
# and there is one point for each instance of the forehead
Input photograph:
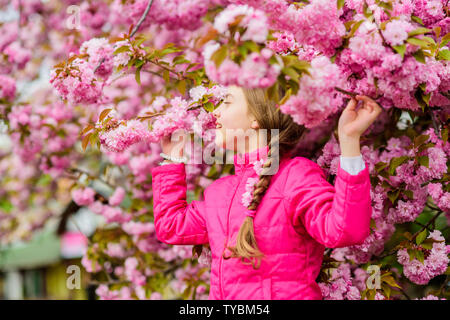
x,y
234,91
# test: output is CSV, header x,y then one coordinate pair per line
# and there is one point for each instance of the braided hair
x,y
289,133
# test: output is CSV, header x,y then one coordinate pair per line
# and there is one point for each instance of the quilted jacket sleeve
x,y
176,221
335,216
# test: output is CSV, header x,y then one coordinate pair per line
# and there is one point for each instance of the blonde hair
x,y
268,117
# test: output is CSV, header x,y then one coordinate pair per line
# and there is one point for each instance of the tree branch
x,y
142,18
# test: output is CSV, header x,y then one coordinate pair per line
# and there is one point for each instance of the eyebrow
x,y
228,95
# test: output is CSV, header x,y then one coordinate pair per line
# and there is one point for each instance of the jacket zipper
x,y
226,239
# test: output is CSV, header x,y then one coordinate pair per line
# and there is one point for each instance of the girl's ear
x,y
255,124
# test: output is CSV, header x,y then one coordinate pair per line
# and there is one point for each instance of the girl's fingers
x,y
372,104
352,104
365,98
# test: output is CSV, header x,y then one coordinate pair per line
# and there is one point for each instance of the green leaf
x,y
102,116
243,51
181,86
419,98
417,42
300,65
140,40
409,194
393,195
418,141
340,4
386,289
420,256
85,141
437,32
355,27
121,49
423,161
444,55
208,107
385,5
445,39
219,55
272,92
444,134
380,166
427,245
417,19
166,51
166,75
429,39
417,31
366,11
400,49
291,73
411,253
447,272
395,162
179,60
419,56
286,96
421,236
137,75
250,45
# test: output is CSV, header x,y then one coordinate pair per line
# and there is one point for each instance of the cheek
x,y
235,118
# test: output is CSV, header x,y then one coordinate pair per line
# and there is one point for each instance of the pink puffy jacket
x,y
300,214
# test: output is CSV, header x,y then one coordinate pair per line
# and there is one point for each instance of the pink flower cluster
x,y
124,135
7,87
317,98
340,286
318,24
80,85
255,70
368,57
247,196
173,118
250,185
206,257
83,196
284,44
100,53
110,213
17,55
434,264
440,197
173,14
396,32
254,22
430,11
117,197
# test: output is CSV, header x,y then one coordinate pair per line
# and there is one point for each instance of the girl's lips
x,y
218,125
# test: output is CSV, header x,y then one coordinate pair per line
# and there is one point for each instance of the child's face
x,y
234,121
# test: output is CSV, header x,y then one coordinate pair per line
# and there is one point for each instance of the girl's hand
x,y
173,145
352,122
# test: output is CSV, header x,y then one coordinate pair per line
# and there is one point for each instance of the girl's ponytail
x,y
246,246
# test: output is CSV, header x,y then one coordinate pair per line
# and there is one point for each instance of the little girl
x,y
269,246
